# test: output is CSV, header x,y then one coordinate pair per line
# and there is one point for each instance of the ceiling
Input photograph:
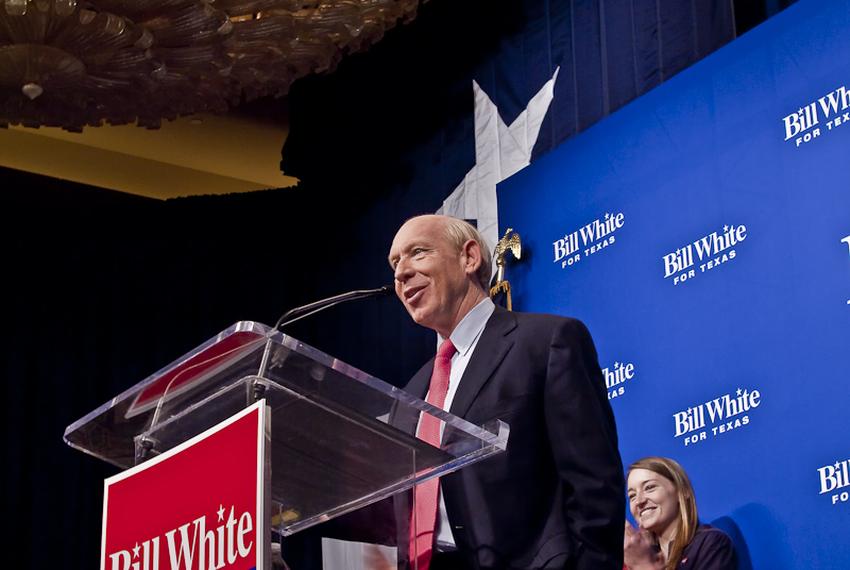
x,y
196,155
201,154
70,64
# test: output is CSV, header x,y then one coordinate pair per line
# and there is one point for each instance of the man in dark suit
x,y
554,498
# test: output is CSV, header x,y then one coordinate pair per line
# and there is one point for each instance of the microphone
x,y
299,313
292,315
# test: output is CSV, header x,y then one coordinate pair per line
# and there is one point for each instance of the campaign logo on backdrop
x,y
618,377
199,506
588,240
834,480
821,116
716,417
704,254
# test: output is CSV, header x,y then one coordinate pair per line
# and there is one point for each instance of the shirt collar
x,y
470,326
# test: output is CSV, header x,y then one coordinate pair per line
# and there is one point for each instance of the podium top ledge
x,y
234,361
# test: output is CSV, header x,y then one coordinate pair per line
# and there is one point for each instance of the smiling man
x,y
554,498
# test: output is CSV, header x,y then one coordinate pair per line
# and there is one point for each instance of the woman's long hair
x,y
686,526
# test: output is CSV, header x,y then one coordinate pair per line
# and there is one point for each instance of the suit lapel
x,y
406,418
418,385
491,349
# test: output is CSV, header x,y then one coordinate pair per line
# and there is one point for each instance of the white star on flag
x,y
500,151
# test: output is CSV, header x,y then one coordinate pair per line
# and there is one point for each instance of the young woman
x,y
669,535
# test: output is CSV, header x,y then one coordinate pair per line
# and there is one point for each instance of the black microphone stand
x,y
303,311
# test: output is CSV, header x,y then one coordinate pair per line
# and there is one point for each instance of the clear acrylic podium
x,y
340,438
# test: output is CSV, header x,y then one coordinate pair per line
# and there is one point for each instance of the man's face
x,y
430,274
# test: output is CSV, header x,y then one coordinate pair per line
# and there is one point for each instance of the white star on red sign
x,y
220,512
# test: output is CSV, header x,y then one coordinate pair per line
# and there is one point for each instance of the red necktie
x,y
424,517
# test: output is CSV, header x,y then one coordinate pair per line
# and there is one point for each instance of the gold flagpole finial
x,y
509,242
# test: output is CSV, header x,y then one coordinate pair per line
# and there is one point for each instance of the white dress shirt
x,y
465,337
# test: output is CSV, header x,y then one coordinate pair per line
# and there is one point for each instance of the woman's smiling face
x,y
653,501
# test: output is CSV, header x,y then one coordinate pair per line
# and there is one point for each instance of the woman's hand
x,y
640,551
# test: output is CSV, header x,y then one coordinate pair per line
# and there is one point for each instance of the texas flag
x,y
468,93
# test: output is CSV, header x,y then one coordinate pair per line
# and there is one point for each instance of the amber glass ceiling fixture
x,y
71,63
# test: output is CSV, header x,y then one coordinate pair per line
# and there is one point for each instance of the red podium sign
x,y
199,506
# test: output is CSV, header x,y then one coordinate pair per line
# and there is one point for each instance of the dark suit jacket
x,y
555,498
711,549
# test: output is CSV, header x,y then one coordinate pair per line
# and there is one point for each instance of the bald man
x,y
554,498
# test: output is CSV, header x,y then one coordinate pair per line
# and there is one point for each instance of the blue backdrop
x,y
698,232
